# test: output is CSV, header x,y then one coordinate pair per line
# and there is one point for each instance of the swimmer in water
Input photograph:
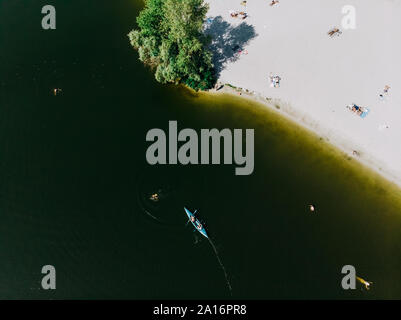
x,y
312,208
364,282
56,90
154,197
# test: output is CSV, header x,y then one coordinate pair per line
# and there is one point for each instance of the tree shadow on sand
x,y
227,40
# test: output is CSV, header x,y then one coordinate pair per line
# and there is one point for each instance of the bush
x,y
170,40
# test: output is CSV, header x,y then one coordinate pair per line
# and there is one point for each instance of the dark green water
x,y
72,171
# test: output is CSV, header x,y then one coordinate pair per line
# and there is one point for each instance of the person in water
x,y
364,282
154,197
312,208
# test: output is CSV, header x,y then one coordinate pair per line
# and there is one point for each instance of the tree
x,y
170,40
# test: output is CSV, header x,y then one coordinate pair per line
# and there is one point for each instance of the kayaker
x,y
199,226
192,218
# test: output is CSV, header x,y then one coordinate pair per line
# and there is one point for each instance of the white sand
x,y
321,75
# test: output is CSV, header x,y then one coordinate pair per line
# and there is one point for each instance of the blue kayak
x,y
198,226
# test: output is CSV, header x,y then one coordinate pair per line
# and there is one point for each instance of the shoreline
x,y
304,121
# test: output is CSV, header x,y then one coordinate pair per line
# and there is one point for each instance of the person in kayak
x,y
192,218
199,226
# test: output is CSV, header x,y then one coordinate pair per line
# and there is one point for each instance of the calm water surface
x,y
74,181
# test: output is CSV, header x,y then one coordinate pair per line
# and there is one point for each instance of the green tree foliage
x,y
171,41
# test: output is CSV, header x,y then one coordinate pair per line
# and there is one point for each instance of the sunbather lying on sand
x,y
386,88
274,81
334,31
237,14
385,91
357,109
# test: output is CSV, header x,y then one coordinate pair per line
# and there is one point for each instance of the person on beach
x,y
386,88
334,31
236,14
274,81
274,2
277,79
242,15
385,92
356,109
364,282
271,80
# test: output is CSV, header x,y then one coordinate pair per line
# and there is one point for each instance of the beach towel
x,y
365,113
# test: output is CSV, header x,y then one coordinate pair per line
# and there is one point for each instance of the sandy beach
x,y
319,75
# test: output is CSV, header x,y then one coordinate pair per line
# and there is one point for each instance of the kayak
x,y
196,223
